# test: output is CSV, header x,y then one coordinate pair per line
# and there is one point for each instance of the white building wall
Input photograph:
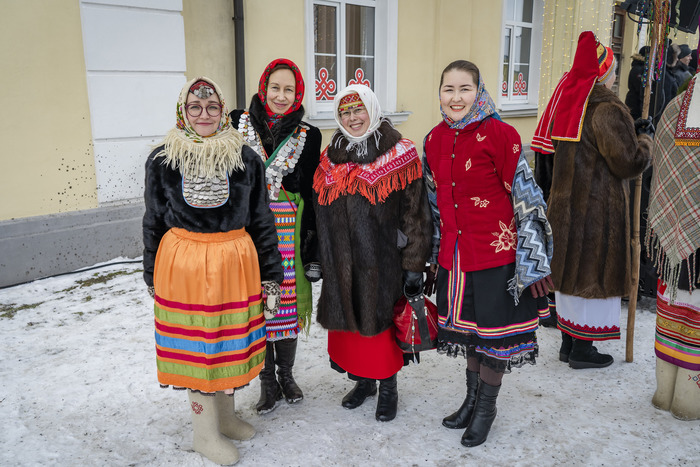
x,y
135,64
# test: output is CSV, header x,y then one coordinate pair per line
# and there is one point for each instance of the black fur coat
x,y
362,245
247,207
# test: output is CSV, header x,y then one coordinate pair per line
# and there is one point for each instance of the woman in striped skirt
x,y
209,244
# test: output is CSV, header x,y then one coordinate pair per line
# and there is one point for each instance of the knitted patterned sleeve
x,y
432,201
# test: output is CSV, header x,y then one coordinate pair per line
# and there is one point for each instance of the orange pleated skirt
x,y
209,325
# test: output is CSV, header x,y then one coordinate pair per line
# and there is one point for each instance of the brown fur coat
x,y
588,206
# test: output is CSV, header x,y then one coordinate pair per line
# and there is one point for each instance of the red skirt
x,y
375,357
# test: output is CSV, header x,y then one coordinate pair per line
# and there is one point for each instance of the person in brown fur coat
x,y
598,148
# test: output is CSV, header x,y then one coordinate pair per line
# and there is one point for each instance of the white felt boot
x,y
229,424
686,397
207,439
665,384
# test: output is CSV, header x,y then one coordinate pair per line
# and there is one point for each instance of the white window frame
x,y
525,107
386,15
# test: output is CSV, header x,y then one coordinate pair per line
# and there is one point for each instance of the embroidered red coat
x,y
473,169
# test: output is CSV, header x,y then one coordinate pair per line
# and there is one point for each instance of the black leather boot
x,y
484,414
357,395
460,419
285,353
566,342
585,355
270,390
388,399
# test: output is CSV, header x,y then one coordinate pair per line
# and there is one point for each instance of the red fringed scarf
x,y
390,172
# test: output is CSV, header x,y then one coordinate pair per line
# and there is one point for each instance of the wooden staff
x,y
656,32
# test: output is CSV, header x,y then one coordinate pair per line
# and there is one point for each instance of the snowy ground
x,y
79,387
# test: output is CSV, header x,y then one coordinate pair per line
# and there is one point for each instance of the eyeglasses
x,y
195,110
354,112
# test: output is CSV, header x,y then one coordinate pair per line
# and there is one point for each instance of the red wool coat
x,y
473,169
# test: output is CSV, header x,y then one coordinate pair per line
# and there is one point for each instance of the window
x,y
350,42
520,60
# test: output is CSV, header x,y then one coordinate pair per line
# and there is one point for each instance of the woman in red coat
x,y
494,241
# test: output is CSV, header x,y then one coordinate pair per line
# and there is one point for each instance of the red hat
x,y
606,61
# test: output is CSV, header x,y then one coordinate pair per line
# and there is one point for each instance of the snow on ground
x,y
79,387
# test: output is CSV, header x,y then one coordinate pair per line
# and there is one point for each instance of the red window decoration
x,y
504,88
520,86
325,87
360,78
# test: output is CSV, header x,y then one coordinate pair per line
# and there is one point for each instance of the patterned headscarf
x,y
187,151
371,103
298,93
482,107
199,85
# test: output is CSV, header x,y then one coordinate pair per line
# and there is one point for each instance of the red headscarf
x,y
298,95
593,63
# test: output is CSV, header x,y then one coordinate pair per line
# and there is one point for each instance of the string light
x,y
576,16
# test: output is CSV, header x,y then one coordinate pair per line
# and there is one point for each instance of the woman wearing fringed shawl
x,y
374,238
209,243
673,239
290,149
494,241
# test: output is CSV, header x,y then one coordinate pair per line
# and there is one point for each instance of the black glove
x,y
644,126
430,280
412,283
313,272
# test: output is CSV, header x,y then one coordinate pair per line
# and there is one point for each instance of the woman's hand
x,y
430,280
542,287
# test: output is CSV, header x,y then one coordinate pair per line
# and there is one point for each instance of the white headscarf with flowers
x,y
185,150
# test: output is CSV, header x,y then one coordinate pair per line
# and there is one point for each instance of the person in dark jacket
x,y
209,246
374,237
679,68
635,83
290,149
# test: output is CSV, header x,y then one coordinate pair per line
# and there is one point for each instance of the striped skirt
x,y
678,328
209,325
478,317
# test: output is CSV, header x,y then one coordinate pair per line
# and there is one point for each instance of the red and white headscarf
x,y
298,93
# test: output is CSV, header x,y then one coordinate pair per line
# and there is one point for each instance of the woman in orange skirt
x,y
210,249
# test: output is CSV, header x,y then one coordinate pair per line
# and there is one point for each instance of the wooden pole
x,y
636,245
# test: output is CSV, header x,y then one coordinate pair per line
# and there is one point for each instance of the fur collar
x,y
600,93
383,139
